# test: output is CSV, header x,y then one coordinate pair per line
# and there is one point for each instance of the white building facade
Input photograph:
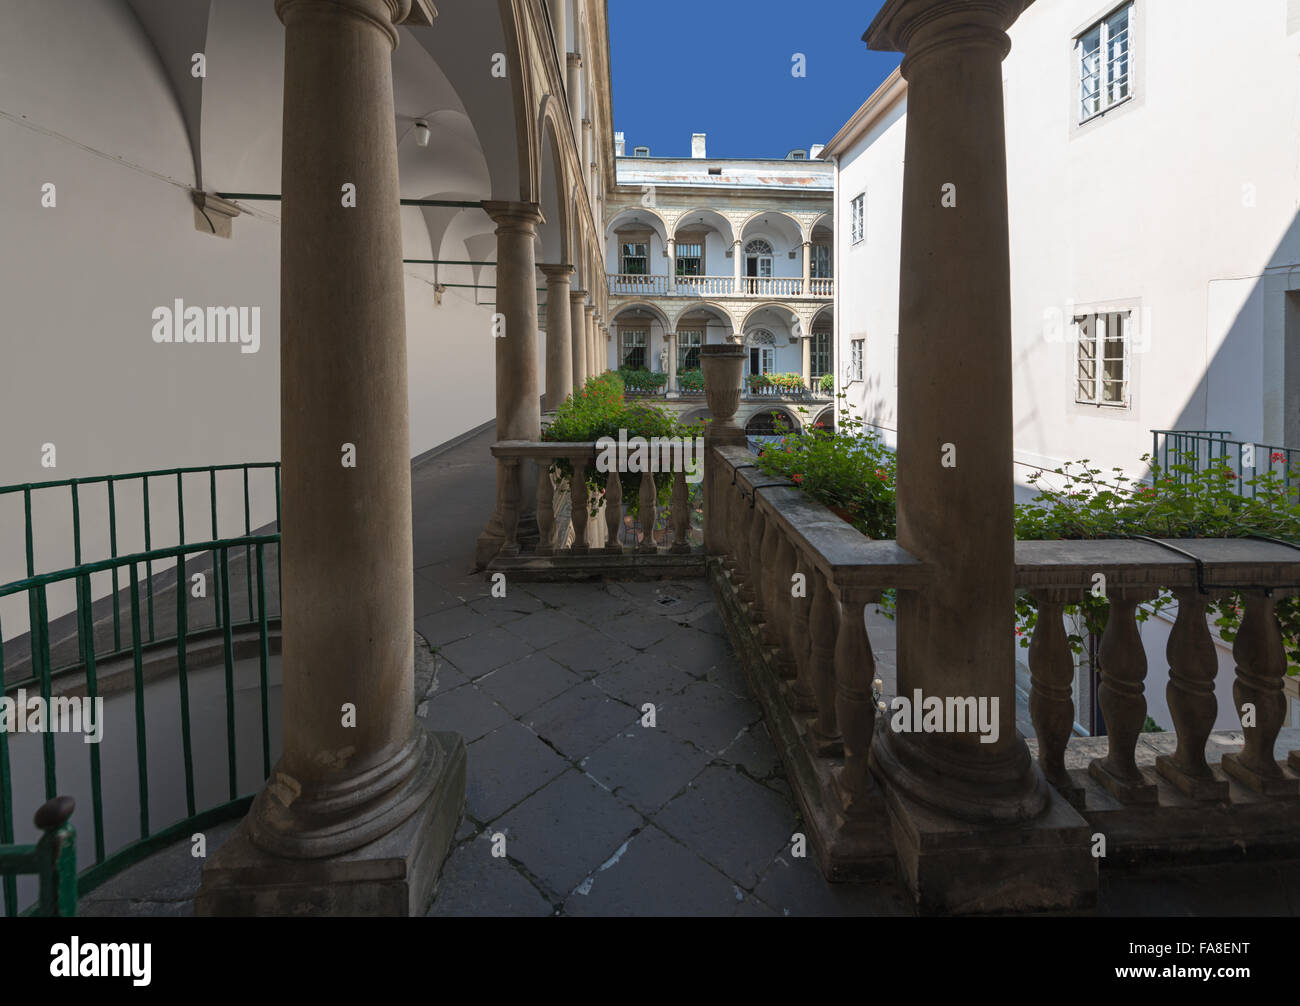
x,y
1155,254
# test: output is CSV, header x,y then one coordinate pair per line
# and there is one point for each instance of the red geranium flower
x,y
1277,456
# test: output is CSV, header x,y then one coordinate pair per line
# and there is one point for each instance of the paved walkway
x,y
594,812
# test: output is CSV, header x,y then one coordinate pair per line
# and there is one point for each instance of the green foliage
x,y
599,410
1184,501
691,380
642,380
785,382
826,383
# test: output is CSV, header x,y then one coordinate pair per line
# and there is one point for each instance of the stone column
x,y
670,339
590,335
805,342
578,327
518,404
672,265
559,28
739,264
559,333
955,482
807,270
573,66
358,812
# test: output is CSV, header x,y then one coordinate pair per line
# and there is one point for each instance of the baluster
x,y
1051,704
510,506
756,567
738,541
770,574
613,513
545,510
855,707
682,514
1261,666
649,494
782,562
823,640
1190,694
1123,670
578,506
797,625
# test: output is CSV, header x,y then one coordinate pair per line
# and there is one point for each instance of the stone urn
x,y
723,364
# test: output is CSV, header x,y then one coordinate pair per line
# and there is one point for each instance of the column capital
x,y
920,28
577,296
383,14
559,273
512,216
574,60
591,310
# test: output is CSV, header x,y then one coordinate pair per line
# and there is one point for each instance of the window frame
x,y
627,343
685,348
689,240
819,354
857,359
1105,82
1098,325
858,218
623,257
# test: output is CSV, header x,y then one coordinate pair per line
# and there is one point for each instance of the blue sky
x,y
723,67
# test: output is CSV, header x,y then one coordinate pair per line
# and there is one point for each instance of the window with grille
x,y
820,357
1105,62
688,350
1102,374
690,258
636,258
634,349
857,217
820,266
856,349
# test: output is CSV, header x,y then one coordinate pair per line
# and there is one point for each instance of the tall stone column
x,y
573,67
578,323
592,361
358,812
807,270
559,333
737,249
559,28
672,265
805,343
670,339
518,395
955,482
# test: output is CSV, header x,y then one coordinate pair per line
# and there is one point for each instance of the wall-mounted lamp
x,y
421,133
438,291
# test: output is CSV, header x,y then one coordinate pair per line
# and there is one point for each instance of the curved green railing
x,y
143,602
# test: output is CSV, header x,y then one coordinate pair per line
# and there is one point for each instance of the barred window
x,y
636,258
688,350
690,259
633,356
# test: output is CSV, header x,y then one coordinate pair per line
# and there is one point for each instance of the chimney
x,y
620,145
697,145
816,152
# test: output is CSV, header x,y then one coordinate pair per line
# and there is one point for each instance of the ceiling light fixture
x,y
421,133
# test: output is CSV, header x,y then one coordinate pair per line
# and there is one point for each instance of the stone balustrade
x,y
656,285
794,581
586,554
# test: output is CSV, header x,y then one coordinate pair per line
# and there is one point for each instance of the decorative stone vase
x,y
723,364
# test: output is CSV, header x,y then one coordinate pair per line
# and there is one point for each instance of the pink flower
x,y
1277,456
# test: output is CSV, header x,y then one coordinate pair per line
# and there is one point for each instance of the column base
x,y
395,875
1276,783
953,867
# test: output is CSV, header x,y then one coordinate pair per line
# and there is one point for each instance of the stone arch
x,y
773,306
763,423
778,220
705,305
640,214
642,305
553,186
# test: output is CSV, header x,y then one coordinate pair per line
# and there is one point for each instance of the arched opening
x,y
771,423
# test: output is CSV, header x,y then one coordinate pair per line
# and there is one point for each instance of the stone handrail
x,y
635,284
706,286
583,458
817,643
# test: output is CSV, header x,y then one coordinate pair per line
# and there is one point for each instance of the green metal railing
x,y
1244,458
140,636
53,859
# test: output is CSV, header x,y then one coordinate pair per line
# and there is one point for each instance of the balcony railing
x,y
633,285
815,669
1246,459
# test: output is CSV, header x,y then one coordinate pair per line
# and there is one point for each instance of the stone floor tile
x,y
589,654
450,624
645,767
754,751
476,883
644,678
504,767
579,720
707,716
549,625
485,651
523,685
466,710
796,887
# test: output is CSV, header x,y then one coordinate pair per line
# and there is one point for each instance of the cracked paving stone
x,y
465,710
728,674
565,831
542,628
754,752
430,598
654,875
645,767
644,678
517,599
523,685
581,719
506,766
735,823
693,651
485,651
495,611
707,716
474,882
450,624
589,653
796,887
591,604
638,631
446,676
